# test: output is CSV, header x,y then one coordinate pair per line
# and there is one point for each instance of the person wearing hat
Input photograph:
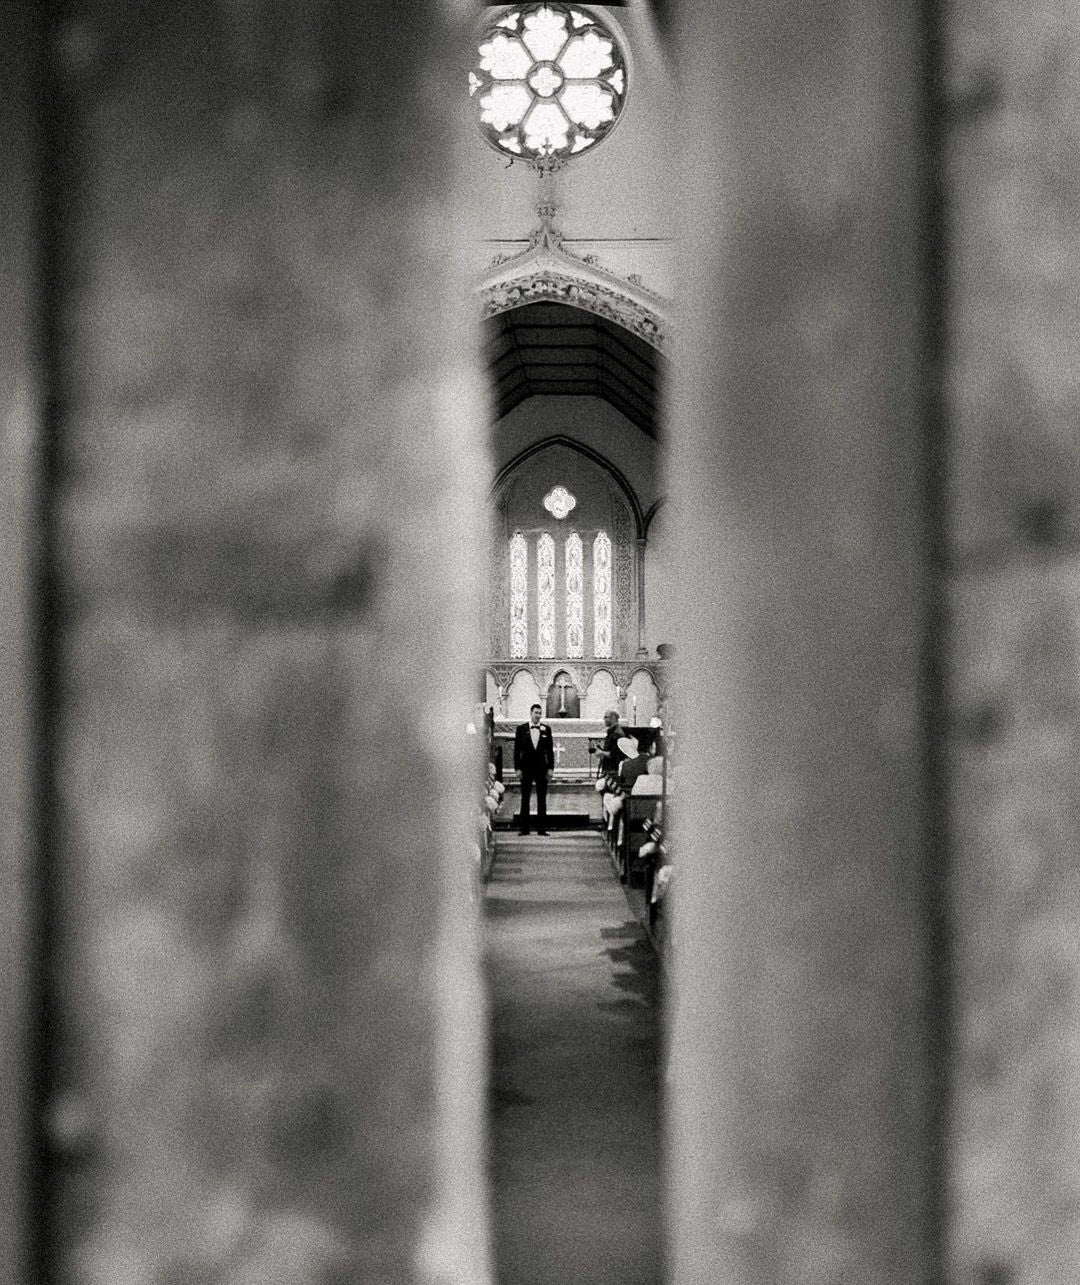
x,y
635,763
534,758
610,754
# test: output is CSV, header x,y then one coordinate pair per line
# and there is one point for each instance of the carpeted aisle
x,y
575,1103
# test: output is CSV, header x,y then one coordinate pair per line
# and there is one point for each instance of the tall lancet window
x,y
519,596
575,623
602,595
545,596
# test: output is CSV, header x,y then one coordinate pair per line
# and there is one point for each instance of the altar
x,y
571,738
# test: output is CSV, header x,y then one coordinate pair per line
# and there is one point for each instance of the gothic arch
x,y
603,299
658,675
570,667
559,439
651,513
510,671
547,271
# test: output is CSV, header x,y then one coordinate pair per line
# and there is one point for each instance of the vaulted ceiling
x,y
551,349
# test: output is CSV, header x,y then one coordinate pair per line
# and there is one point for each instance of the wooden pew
x,y
640,806
490,802
661,856
611,827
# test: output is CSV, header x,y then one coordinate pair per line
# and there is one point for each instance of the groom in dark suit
x,y
534,758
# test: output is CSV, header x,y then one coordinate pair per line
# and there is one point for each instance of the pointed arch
x,y
547,272
559,439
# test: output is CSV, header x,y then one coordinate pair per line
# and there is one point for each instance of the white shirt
x,y
534,732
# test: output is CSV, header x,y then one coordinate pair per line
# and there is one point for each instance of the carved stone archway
x,y
613,302
545,270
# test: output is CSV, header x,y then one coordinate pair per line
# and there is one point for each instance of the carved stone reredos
x,y
581,672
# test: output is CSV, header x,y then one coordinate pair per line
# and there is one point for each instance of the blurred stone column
x,y
1014,395
802,1079
270,489
20,410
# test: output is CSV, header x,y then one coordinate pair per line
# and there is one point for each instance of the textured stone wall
x,y
270,466
802,1063
19,417
1014,401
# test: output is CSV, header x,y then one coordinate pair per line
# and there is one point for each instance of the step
x,y
576,799
555,821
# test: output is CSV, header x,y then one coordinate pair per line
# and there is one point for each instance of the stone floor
x,y
575,1101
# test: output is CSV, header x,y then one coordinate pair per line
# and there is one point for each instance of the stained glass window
x,y
602,595
545,596
519,596
575,624
550,81
559,502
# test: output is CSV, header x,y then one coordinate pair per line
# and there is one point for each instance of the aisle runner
x,y
575,1109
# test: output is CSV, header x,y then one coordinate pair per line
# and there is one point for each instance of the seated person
x,y
635,763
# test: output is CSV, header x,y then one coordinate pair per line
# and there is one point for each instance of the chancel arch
x,y
577,376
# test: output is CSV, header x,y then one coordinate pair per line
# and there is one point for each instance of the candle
x,y
633,702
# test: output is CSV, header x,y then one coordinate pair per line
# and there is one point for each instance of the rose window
x,y
559,502
550,81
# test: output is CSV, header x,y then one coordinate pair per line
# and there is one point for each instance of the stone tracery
x,y
550,82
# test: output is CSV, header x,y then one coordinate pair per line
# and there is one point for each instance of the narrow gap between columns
x,y
57,175
935,640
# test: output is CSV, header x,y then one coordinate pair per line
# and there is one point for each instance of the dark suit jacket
x,y
610,754
530,761
631,769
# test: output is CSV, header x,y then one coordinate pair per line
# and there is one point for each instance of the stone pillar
x,y
20,649
273,1057
1015,600
642,650
802,1062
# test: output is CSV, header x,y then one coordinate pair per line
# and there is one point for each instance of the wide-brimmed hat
x,y
628,746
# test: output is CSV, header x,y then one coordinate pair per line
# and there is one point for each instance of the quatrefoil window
x,y
559,502
550,81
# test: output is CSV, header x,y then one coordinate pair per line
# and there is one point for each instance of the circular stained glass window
x,y
549,82
559,502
